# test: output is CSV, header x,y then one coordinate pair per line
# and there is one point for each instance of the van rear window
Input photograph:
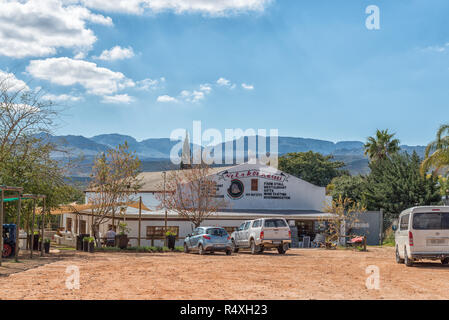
x,y
431,221
275,223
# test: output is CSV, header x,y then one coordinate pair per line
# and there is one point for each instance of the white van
x,y
422,233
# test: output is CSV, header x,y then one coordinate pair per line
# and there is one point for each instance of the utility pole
x,y
1,226
32,228
19,208
140,219
43,227
165,208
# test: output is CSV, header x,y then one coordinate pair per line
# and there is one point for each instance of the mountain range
x,y
155,153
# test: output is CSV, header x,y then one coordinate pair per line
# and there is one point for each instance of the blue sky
x,y
308,68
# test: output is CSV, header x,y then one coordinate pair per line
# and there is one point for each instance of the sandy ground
x,y
301,274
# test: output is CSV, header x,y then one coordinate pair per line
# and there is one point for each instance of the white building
x,y
251,191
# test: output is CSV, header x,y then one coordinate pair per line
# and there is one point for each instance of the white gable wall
x,y
275,189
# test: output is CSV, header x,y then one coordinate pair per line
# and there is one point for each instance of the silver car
x,y
208,239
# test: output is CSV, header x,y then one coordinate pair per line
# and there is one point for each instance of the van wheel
x,y
408,262
186,249
254,248
398,257
201,250
445,261
281,250
234,247
228,252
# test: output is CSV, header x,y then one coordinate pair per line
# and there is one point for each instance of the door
x,y
402,234
195,237
238,233
430,231
245,235
276,229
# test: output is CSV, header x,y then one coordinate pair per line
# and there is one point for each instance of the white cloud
x,y
61,97
40,27
116,53
222,82
166,98
247,86
148,84
206,88
67,72
11,83
192,96
210,7
118,99
442,48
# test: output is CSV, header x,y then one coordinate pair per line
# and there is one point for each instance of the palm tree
x,y
382,145
437,153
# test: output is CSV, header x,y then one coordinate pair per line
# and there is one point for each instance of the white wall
x,y
276,189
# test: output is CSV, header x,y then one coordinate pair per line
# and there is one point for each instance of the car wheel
x,y
234,247
201,250
186,248
281,250
408,262
254,248
261,250
398,257
228,252
445,261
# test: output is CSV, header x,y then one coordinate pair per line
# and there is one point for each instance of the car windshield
x,y
275,223
431,221
220,232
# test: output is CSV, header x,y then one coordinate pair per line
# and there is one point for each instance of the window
x,y
275,223
159,232
254,184
242,226
256,224
69,224
404,222
217,232
247,225
431,221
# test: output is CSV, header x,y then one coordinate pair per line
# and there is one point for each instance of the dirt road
x,y
301,274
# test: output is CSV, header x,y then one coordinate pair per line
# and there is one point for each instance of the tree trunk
x,y
96,233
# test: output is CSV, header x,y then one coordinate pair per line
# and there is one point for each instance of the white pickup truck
x,y
262,233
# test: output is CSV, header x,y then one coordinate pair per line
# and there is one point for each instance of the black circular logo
x,y
236,189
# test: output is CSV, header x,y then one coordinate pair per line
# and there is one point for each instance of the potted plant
x,y
123,235
91,244
171,240
47,245
86,244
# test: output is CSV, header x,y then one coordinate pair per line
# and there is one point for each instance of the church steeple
x,y
186,158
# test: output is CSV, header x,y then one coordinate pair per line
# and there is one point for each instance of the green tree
x,y
114,182
348,187
25,154
312,167
381,146
437,153
396,184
